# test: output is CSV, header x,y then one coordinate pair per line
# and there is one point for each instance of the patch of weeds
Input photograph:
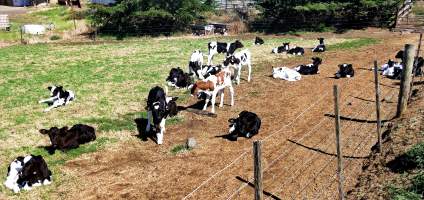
x,y
413,158
417,183
174,120
181,148
402,194
20,119
416,155
353,44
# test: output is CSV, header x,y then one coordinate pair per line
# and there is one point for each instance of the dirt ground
x,y
378,175
298,157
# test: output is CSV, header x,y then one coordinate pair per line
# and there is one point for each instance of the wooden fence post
x,y
22,36
405,82
377,104
258,169
338,142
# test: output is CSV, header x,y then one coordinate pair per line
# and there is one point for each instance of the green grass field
x,y
111,81
60,16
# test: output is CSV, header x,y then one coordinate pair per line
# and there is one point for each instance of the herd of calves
x,y
206,82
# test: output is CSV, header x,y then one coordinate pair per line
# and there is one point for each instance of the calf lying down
x,y
64,138
286,73
58,97
345,71
392,69
27,172
246,125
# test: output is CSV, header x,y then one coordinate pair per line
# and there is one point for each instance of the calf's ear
x,y
232,120
43,131
174,98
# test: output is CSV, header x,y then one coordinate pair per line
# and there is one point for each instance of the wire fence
x,y
289,175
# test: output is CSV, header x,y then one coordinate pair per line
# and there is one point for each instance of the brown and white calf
x,y
212,86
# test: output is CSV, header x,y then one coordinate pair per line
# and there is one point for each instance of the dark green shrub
x,y
55,37
402,194
146,17
418,184
416,155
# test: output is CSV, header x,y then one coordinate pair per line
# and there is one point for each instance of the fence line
x,y
345,167
210,178
288,151
326,147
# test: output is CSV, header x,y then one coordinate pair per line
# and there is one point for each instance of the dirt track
x,y
143,170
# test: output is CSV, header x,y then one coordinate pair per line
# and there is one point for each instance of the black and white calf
x,y
392,70
196,63
238,60
310,69
320,47
399,55
159,107
345,71
281,49
297,51
209,70
259,41
177,78
26,172
246,125
58,97
221,47
64,138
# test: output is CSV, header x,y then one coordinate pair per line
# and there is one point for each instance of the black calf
x,y
345,70
259,41
247,125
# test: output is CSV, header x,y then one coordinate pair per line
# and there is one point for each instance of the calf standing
x,y
196,63
212,86
238,60
159,107
247,125
221,47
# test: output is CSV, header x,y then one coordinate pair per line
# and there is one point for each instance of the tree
x,y
147,17
284,15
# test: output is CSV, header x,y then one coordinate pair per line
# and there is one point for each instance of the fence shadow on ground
x,y
253,186
326,153
358,120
